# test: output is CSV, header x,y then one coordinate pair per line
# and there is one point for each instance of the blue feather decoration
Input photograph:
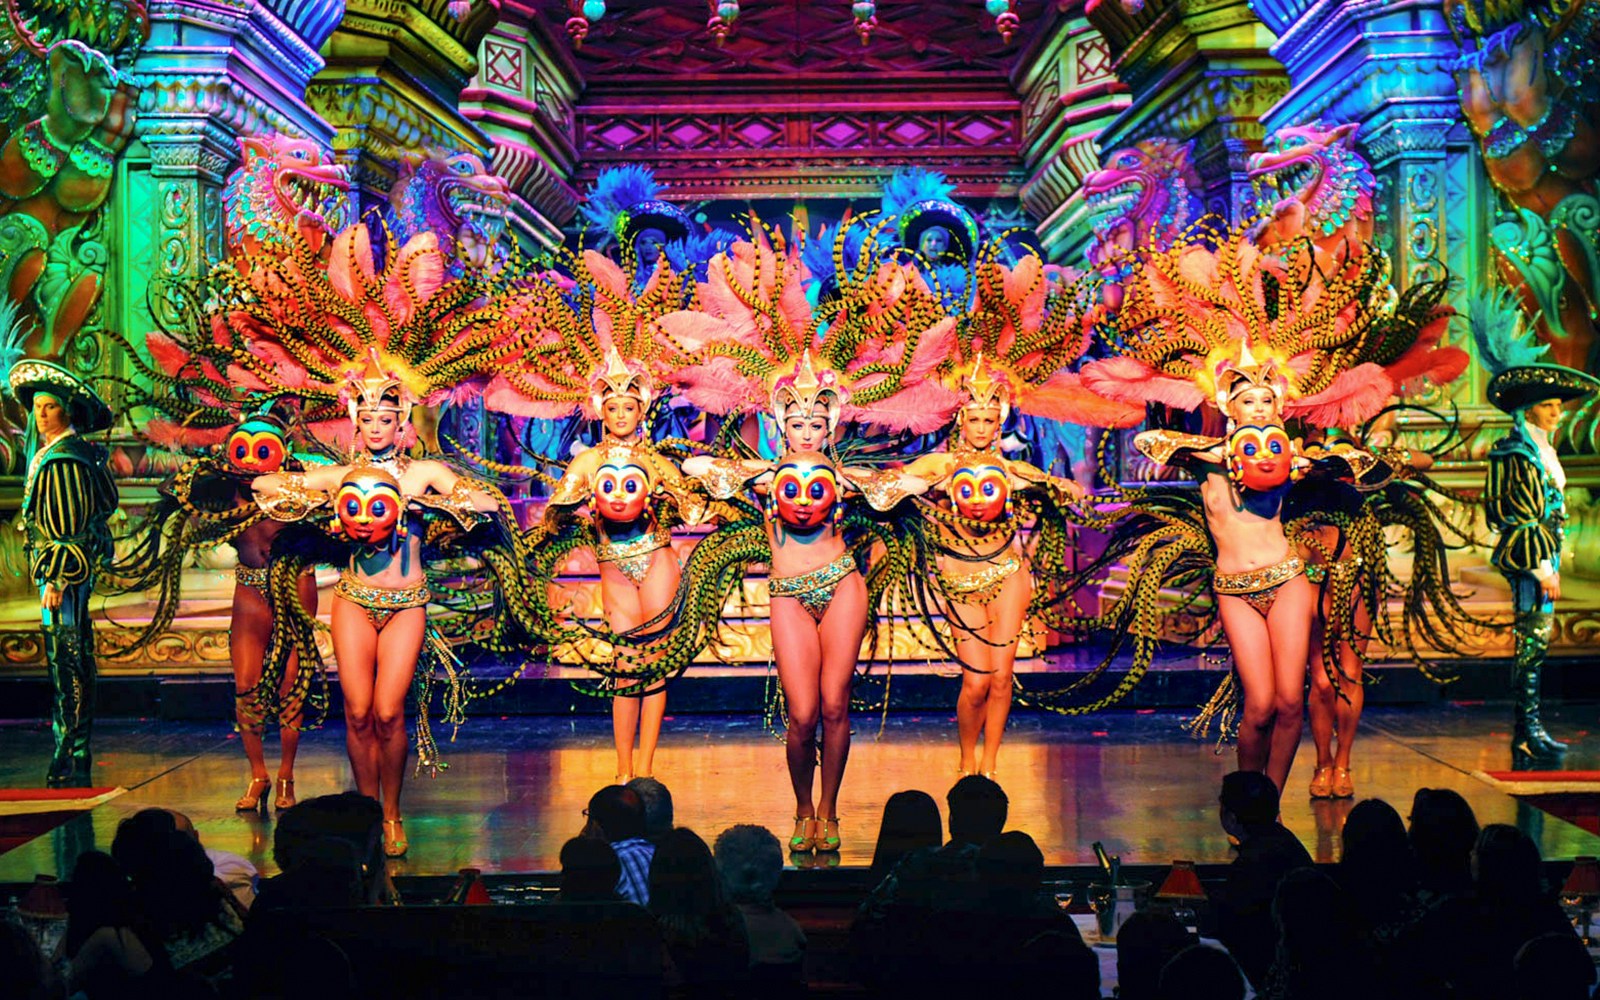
x,y
909,185
13,331
697,249
614,192
1504,341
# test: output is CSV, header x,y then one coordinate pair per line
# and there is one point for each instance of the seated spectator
x,y
1377,868
234,871
1324,951
113,948
1443,834
23,967
330,851
197,917
1146,941
657,807
1052,966
1554,967
589,872
1478,935
751,861
910,823
616,815
704,933
1201,972
1266,852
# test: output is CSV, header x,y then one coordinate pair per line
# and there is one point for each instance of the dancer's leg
x,y
289,721
355,647
1005,628
249,628
399,645
1349,707
972,702
798,652
1289,626
840,632
655,596
1323,703
1247,637
621,601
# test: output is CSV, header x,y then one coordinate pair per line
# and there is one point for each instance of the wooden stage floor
x,y
517,785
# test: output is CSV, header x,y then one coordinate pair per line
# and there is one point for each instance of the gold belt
x,y
251,576
983,586
1255,580
633,556
383,599
813,589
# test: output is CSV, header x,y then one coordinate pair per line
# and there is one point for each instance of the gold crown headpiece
x,y
367,391
619,378
807,387
1236,373
985,387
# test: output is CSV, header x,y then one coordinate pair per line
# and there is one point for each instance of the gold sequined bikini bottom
x,y
381,603
1259,587
982,587
633,556
814,590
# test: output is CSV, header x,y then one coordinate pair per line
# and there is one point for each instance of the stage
x,y
517,785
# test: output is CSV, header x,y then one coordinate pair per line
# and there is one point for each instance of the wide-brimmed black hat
x,y
656,214
921,216
88,412
1524,385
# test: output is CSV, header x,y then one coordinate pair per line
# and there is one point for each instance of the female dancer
x,y
983,570
207,503
622,479
379,616
259,446
1263,598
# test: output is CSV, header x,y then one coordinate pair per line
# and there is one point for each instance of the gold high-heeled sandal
x,y
1322,783
395,844
1342,787
804,839
825,843
253,796
285,799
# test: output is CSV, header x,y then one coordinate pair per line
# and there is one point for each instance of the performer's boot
x,y
72,675
1530,737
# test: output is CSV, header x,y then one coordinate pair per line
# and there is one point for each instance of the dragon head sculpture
x,y
454,195
1145,195
285,186
1308,181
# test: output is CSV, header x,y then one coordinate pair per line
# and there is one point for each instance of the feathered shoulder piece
x,y
751,325
1192,312
582,339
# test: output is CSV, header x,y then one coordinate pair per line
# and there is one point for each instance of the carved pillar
x,y
1198,69
522,98
1069,94
394,76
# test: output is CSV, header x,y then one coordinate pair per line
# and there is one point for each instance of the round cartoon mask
x,y
805,491
621,490
981,492
257,447
1260,457
369,507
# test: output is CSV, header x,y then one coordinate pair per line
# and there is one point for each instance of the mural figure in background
x,y
1309,182
1525,497
68,114
67,498
455,197
1529,81
1144,196
284,189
